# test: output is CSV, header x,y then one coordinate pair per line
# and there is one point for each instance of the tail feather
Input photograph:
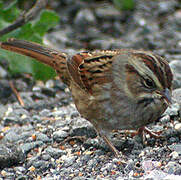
x,y
48,56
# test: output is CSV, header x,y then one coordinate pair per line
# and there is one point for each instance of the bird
x,y
123,89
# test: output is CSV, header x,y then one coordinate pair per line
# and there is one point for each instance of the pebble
x,y
148,165
84,17
3,72
42,137
81,127
68,161
13,136
173,168
48,91
178,127
174,155
10,155
54,152
49,84
176,66
163,6
173,110
45,113
46,157
59,135
176,147
5,91
26,147
165,119
157,175
177,97
107,12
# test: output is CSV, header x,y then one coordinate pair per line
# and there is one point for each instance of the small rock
x,y
173,110
3,73
68,161
54,152
49,84
5,91
174,155
48,91
13,136
156,175
84,18
10,155
82,127
102,43
107,167
178,126
41,165
148,165
46,157
165,119
107,12
59,135
166,6
19,169
42,137
176,67
45,113
173,168
29,146
177,97
176,147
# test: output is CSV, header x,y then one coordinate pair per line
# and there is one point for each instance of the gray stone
x,y
59,135
42,137
176,147
176,69
3,73
54,152
68,161
173,168
83,19
107,12
29,146
173,110
10,155
177,96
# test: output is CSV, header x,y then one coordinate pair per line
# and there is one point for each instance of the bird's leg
x,y
107,141
140,131
111,146
148,131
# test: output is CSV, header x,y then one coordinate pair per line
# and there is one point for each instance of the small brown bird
x,y
113,89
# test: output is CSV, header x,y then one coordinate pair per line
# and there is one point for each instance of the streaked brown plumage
x,y
113,89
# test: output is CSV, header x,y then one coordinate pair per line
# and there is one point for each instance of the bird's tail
x,y
48,56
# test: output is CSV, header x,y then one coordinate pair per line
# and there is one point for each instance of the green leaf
x,y
23,64
48,20
31,31
42,72
3,23
124,4
9,13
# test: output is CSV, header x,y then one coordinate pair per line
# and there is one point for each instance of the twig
x,y
25,17
16,93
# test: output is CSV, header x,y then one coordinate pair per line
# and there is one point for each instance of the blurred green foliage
x,y
31,31
124,4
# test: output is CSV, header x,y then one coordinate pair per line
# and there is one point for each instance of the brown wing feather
x,y
90,68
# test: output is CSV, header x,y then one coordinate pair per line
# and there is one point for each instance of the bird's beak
x,y
167,96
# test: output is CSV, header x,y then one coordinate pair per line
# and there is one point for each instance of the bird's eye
x,y
149,83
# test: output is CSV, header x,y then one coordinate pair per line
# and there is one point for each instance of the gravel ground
x,y
47,138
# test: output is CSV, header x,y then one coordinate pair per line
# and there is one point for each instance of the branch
x,y
25,17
